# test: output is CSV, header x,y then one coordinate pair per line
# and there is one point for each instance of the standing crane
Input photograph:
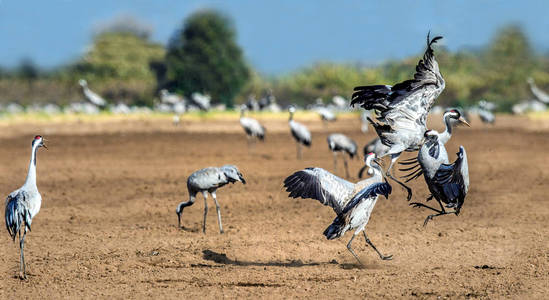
x,y
338,142
353,203
447,182
254,130
364,124
301,134
208,180
94,98
326,114
403,108
23,204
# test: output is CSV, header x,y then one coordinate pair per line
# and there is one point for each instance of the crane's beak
x,y
462,120
44,145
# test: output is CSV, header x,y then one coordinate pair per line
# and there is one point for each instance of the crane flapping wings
x,y
378,188
453,179
319,184
407,102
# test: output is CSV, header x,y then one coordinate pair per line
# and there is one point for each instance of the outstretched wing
x,y
378,188
319,184
406,104
454,179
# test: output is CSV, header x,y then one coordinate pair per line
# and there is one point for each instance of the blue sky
x,y
277,36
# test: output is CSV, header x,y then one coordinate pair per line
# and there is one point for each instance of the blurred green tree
x,y
117,65
203,56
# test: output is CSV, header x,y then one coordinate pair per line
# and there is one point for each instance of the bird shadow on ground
x,y
221,258
188,229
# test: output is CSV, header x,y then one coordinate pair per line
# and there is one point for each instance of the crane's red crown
x,y
37,137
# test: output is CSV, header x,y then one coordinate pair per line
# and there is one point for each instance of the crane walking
x,y
208,180
23,204
338,142
402,109
301,134
353,203
447,182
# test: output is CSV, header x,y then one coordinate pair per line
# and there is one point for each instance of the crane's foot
x,y
22,276
388,257
221,231
417,204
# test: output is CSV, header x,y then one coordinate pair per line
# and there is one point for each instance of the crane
x,y
208,180
23,204
254,130
90,95
338,142
540,95
353,203
403,108
448,183
301,134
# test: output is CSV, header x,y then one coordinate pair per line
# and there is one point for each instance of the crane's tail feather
x,y
336,229
15,215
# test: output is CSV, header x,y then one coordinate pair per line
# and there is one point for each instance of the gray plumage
x,y
338,142
402,109
353,203
326,114
486,116
540,95
364,124
23,204
90,95
254,130
374,146
208,180
448,183
301,134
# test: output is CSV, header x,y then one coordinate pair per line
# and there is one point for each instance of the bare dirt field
x,y
108,228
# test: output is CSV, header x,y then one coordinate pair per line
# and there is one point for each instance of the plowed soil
x,y
108,228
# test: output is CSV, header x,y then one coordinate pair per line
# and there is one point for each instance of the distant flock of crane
x,y
397,113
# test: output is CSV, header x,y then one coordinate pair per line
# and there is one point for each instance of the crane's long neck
x,y
291,116
31,175
447,134
377,171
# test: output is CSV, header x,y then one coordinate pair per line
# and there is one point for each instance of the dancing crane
x,y
23,204
447,182
353,203
301,134
208,180
403,108
338,142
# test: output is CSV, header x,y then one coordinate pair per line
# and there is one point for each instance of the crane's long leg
x,y
335,162
218,208
346,167
205,210
394,158
298,150
22,273
383,257
440,212
351,249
